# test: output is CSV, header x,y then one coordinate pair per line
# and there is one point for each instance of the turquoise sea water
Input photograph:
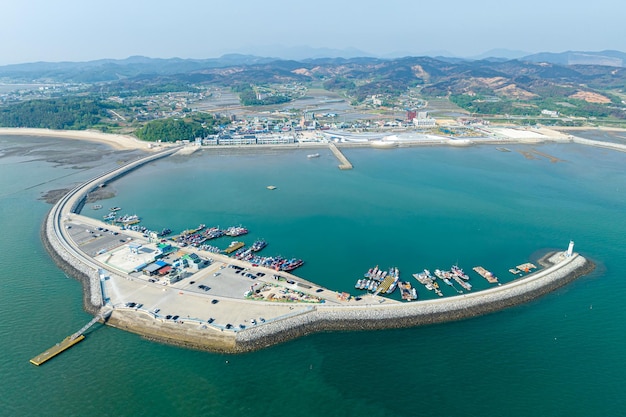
x,y
414,208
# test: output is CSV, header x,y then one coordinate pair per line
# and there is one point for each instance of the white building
x,y
424,120
551,113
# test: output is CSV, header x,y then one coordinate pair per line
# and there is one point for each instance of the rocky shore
x,y
73,267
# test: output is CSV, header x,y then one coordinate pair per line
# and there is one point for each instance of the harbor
x,y
115,268
106,353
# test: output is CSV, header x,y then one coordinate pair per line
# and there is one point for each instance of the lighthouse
x,y
570,249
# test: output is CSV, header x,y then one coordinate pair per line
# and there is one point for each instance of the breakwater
x,y
600,144
72,261
373,316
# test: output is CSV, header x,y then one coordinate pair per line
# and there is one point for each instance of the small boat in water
x,y
96,206
313,155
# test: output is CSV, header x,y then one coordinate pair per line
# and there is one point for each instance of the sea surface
x,y
414,208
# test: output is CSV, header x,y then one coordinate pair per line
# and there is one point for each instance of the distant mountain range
x,y
589,76
608,58
104,70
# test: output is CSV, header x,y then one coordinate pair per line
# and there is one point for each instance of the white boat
x,y
313,155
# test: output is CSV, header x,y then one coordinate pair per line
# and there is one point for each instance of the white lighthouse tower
x,y
570,249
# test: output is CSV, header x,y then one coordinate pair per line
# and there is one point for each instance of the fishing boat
x,y
164,232
408,293
258,245
459,272
292,264
235,231
313,155
110,216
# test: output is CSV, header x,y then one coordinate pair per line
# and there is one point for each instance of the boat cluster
x,y
449,277
196,237
277,263
125,220
380,281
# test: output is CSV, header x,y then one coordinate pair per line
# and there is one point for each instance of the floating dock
x,y
234,246
67,343
345,164
525,267
385,284
486,274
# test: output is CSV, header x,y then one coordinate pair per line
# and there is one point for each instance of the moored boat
x,y
408,293
258,245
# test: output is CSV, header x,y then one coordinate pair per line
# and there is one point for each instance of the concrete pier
x,y
344,163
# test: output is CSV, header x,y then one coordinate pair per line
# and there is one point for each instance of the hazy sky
x,y
80,30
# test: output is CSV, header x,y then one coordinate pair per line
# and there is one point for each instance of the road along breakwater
x,y
55,240
369,315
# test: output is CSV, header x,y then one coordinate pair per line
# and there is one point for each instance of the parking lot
x,y
213,295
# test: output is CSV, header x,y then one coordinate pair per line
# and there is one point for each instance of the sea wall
x,y
558,273
417,313
74,263
73,266
187,335
600,144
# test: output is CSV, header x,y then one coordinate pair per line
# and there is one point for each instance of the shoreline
x,y
118,142
308,319
127,142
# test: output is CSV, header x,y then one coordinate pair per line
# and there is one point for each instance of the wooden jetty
x,y
344,163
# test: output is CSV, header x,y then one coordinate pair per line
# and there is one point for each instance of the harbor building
x,y
423,120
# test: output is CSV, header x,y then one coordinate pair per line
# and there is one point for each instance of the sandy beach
x,y
119,142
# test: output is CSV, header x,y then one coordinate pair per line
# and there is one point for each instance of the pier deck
x,y
486,274
345,164
67,343
526,267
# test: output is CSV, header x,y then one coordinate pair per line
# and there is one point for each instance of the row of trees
x,y
71,113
